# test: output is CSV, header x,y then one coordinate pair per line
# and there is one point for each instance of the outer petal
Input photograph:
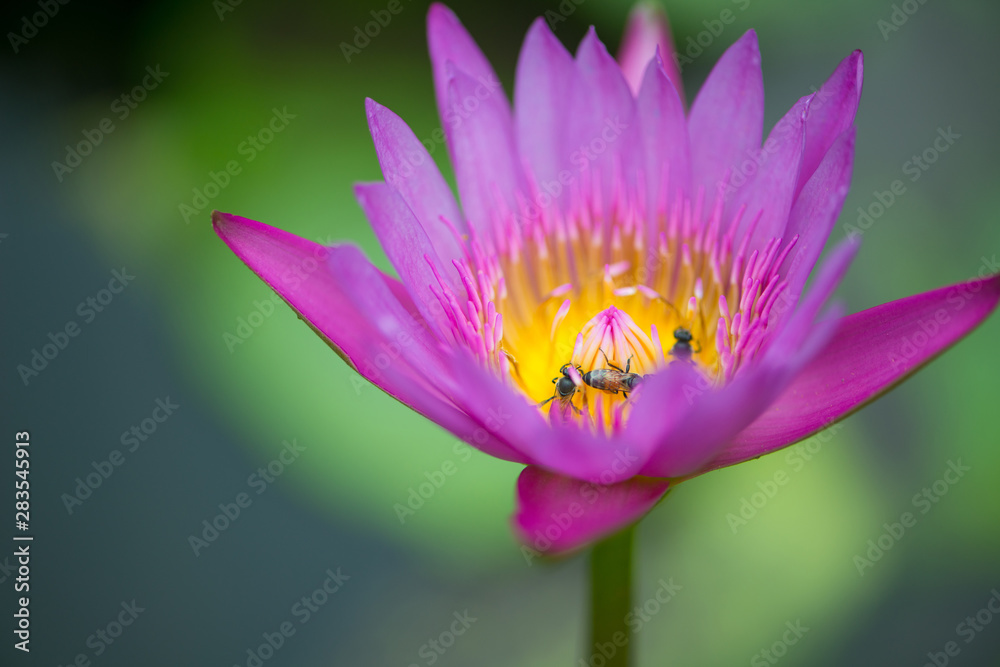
x,y
714,417
410,170
484,150
831,113
646,31
768,192
603,113
727,117
449,41
816,210
544,79
557,514
299,271
872,352
664,135
357,310
410,251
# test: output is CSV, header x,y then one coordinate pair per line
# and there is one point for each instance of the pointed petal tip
x,y
376,115
438,12
647,36
218,219
747,46
590,41
229,226
749,38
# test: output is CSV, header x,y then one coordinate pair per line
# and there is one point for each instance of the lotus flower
x,y
615,300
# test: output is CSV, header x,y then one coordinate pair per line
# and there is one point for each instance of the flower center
x,y
575,304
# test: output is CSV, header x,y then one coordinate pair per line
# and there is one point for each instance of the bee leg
x,y
608,361
513,361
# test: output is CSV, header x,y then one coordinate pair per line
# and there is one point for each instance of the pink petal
x,y
646,31
727,117
765,182
356,309
299,271
484,151
449,41
563,447
815,211
603,134
410,170
714,416
872,352
663,129
409,250
497,407
557,514
831,113
544,79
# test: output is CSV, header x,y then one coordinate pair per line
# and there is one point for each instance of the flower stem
x,y
611,598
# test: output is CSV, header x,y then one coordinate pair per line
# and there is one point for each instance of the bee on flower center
x,y
565,389
613,379
682,349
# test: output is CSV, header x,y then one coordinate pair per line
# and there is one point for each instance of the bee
x,y
682,349
614,379
565,389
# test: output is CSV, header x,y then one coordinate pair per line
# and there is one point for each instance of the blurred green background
x,y
170,333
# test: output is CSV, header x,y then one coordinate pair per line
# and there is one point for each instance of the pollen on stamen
x,y
613,280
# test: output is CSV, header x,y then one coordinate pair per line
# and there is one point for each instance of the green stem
x,y
611,599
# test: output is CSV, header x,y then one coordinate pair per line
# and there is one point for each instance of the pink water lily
x,y
615,299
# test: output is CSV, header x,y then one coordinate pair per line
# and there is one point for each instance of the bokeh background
x,y
169,335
